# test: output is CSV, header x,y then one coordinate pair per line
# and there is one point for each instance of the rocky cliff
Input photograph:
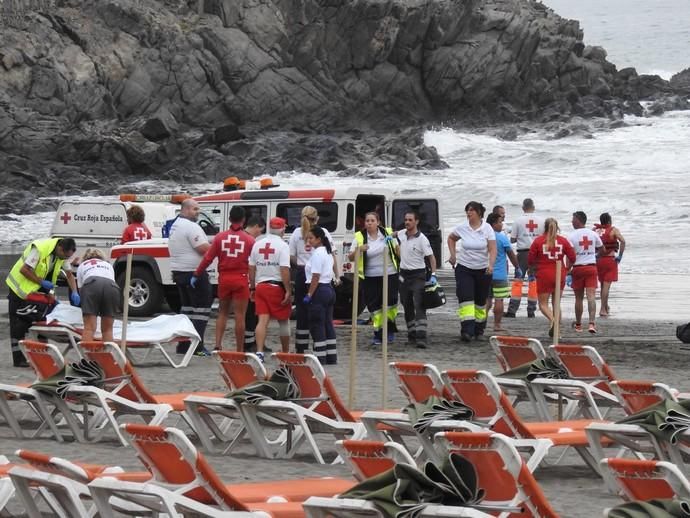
x,y
97,92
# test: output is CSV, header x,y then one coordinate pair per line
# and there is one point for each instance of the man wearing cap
x,y
232,248
269,281
31,281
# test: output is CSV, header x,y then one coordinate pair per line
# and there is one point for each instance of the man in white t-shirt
x,y
525,230
415,249
188,244
269,284
583,276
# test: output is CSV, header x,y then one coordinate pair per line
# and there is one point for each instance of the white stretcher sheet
x,y
161,329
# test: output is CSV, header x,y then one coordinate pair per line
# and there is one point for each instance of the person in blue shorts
x,y
500,289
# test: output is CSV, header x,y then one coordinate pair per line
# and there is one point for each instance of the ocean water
x,y
652,36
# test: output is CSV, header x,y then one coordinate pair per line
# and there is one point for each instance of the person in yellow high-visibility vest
x,y
31,281
373,241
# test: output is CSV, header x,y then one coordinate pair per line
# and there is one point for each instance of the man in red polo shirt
x,y
232,248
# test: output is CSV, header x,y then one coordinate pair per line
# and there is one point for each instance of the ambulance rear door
x,y
98,224
429,221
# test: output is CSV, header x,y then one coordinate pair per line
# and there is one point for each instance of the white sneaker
x,y
260,356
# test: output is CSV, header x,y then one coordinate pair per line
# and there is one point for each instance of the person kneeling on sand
x,y
100,295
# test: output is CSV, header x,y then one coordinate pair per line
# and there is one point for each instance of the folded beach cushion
x,y
404,491
280,386
433,409
76,374
665,420
665,508
545,368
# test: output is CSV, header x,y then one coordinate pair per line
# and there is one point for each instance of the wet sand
x,y
640,349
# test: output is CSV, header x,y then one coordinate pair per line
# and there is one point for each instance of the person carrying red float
x,y
608,259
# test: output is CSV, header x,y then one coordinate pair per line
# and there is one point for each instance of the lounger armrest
x,y
317,506
454,512
563,386
510,382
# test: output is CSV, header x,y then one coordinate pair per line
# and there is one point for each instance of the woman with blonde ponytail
x,y
547,250
300,254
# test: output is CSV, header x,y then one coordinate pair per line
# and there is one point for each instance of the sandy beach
x,y
640,349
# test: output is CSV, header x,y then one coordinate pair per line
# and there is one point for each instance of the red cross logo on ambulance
x,y
232,246
554,253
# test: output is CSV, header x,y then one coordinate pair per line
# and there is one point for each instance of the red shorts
x,y
607,268
233,286
584,276
268,298
546,280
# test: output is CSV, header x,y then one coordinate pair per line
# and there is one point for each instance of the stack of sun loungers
x,y
500,428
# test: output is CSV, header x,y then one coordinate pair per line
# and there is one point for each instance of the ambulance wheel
x,y
145,293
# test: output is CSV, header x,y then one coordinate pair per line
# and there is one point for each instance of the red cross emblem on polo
x,y
232,246
585,243
139,234
554,253
266,251
531,226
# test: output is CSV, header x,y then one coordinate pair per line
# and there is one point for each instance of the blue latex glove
x,y
192,281
388,239
569,280
47,285
74,298
531,277
519,274
306,299
432,280
619,257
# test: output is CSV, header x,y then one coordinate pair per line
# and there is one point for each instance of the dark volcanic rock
x,y
161,126
116,89
681,80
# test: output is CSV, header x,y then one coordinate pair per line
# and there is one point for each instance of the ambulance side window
x,y
253,211
292,213
207,224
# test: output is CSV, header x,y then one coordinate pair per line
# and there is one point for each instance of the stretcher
x,y
64,324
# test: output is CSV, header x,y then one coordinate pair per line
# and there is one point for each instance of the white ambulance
x,y
341,211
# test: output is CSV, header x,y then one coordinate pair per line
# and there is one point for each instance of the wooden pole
x,y
353,335
557,322
557,304
125,303
384,331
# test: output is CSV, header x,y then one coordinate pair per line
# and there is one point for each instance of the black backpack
x,y
683,333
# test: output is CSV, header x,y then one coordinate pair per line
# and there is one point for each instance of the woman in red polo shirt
x,y
547,250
